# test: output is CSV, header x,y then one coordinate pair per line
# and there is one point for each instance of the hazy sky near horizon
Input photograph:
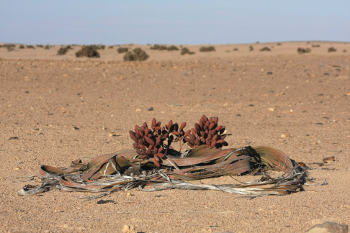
x,y
172,22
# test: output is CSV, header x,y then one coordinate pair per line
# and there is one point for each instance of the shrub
x,y
207,49
303,50
235,49
136,54
159,47
172,48
185,50
264,49
251,48
332,49
30,47
111,47
47,46
122,50
10,47
315,45
344,51
21,46
279,44
88,51
40,46
63,50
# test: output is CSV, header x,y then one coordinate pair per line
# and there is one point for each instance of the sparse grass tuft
x,y
63,50
185,51
88,51
303,50
136,54
332,49
122,49
265,49
207,49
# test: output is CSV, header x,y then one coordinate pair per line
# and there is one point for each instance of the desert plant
x,y
172,48
87,51
47,46
30,47
303,50
235,49
279,44
122,49
344,51
185,51
159,47
251,48
21,46
9,47
265,49
111,47
207,49
40,46
63,50
315,45
332,49
136,54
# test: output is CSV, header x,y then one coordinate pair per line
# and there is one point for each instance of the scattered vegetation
x,y
279,44
47,46
185,51
207,49
63,50
111,47
332,49
315,46
9,47
136,54
122,49
30,47
40,46
303,50
88,51
265,49
164,47
251,48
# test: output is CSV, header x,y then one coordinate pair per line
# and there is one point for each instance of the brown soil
x,y
62,108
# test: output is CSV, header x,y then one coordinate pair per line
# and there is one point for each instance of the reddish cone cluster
x,y
155,141
208,132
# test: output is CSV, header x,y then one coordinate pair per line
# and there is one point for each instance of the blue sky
x,y
172,22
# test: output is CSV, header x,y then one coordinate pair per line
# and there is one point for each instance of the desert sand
x,y
55,109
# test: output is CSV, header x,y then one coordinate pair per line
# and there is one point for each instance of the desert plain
x,y
55,109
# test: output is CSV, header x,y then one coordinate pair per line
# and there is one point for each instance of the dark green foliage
x,y
172,48
63,50
185,51
122,49
207,49
164,47
265,49
88,51
303,50
9,47
136,54
332,49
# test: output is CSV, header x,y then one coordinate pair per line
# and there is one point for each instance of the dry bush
x,y
30,47
235,49
185,51
47,46
279,44
136,54
88,51
40,46
159,47
251,48
63,50
207,49
303,50
21,46
9,47
122,50
265,49
344,51
332,49
315,46
172,48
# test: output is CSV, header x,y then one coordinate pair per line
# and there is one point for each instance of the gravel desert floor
x,y
55,109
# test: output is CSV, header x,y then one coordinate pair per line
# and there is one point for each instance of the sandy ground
x,y
299,104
